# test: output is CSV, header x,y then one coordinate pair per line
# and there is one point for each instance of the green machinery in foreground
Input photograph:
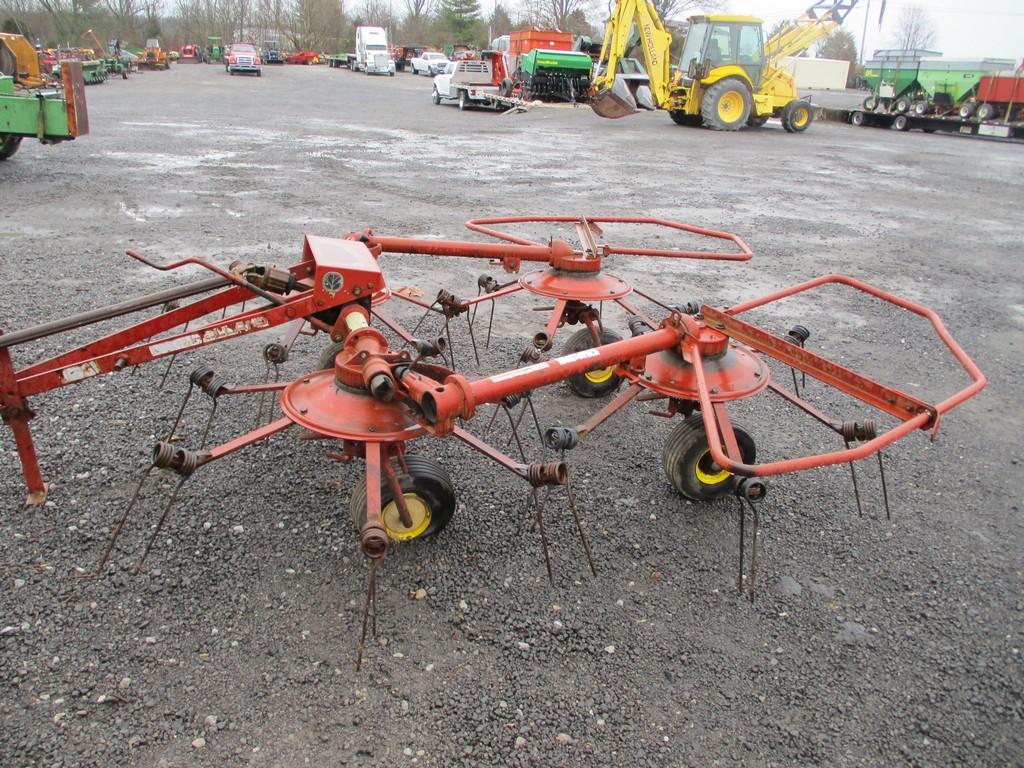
x,y
555,75
49,114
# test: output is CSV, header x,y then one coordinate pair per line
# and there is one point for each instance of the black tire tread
x,y
679,443
420,467
578,342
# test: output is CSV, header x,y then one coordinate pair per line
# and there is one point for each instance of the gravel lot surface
x,y
870,642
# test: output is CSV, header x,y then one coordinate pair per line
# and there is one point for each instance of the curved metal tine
x,y
370,606
490,322
853,475
422,318
451,347
472,338
753,549
490,423
739,572
160,524
885,490
170,363
515,430
539,520
209,423
536,422
515,434
120,523
579,525
181,411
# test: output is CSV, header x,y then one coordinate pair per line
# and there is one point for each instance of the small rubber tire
x,y
967,111
592,383
797,116
985,112
901,123
726,105
390,73
902,105
463,100
435,96
326,360
8,145
427,483
870,104
857,118
688,464
920,108
259,73
681,118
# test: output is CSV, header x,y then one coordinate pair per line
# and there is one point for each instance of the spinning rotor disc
x,y
734,375
318,403
575,286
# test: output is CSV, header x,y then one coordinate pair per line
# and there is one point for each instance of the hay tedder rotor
x,y
370,400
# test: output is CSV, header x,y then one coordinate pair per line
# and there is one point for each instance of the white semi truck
x,y
372,53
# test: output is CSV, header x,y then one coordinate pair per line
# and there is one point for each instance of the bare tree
x,y
914,29
679,9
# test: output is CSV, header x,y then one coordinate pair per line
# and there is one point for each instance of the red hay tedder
x,y
371,400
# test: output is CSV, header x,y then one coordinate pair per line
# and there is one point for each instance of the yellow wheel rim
x,y
800,117
730,106
600,376
708,472
419,511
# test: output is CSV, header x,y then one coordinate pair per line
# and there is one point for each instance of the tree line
x,y
321,25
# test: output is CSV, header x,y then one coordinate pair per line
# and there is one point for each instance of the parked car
x,y
428,63
469,82
242,57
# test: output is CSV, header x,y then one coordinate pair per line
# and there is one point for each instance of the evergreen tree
x,y
460,17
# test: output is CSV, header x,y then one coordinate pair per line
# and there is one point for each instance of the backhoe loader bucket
x,y
644,98
614,102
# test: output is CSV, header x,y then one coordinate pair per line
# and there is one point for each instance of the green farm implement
x,y
49,114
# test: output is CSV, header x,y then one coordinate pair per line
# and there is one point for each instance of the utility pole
x,y
864,34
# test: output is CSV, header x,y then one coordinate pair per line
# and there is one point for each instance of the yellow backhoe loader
x,y
728,76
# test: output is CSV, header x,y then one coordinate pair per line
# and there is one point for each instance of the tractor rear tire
x,y
8,145
592,383
681,118
797,116
726,105
428,491
689,465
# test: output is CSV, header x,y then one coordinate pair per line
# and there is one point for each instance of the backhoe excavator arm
x,y
654,41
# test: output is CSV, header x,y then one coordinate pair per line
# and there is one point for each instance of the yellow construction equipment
x,y
18,59
728,76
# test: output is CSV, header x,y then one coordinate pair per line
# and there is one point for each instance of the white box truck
x,y
372,54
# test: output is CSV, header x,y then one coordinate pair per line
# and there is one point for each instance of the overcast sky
x,y
964,28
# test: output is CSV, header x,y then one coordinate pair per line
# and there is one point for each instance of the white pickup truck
x,y
469,82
